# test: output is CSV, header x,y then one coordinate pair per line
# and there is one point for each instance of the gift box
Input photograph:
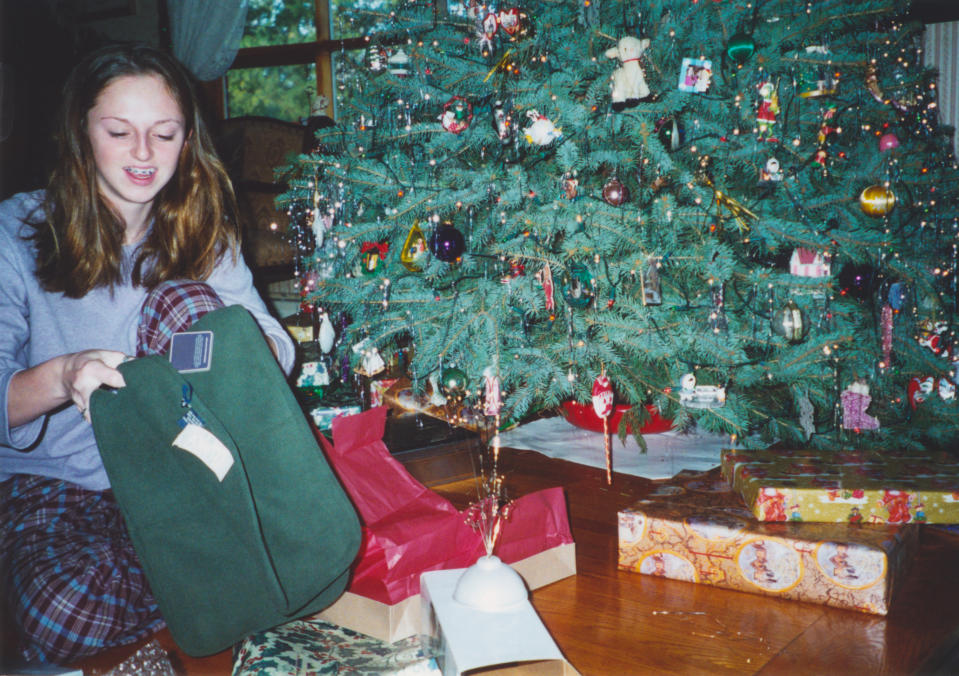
x,y
408,529
890,487
695,528
465,640
323,416
313,646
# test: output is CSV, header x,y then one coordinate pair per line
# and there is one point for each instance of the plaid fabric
x,y
171,307
73,581
74,584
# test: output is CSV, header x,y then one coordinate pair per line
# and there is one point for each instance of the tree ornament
x,y
453,383
790,322
541,130
629,81
603,406
807,419
399,63
615,193
492,399
570,185
457,115
740,47
767,111
877,200
377,58
503,122
515,23
771,174
671,133
414,249
486,31
855,400
374,256
692,395
446,242
885,324
545,277
828,129
888,141
898,292
579,287
818,79
809,263
327,335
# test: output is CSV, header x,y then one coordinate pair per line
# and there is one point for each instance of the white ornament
x,y
629,81
541,131
327,335
692,395
436,398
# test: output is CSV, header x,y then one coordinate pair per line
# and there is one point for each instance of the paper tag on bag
x,y
202,443
191,351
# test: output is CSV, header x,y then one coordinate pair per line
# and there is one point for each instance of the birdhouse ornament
x,y
629,81
603,406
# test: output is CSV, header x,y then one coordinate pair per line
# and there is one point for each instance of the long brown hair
x,y
79,238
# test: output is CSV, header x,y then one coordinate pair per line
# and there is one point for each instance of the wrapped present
x,y
323,416
409,529
890,487
313,646
695,528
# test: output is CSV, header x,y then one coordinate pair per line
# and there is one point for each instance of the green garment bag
x,y
237,518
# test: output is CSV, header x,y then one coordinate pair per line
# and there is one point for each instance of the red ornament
x,y
602,396
603,406
614,192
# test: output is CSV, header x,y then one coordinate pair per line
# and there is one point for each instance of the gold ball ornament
x,y
877,200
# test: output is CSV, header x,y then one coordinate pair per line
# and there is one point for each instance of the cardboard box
x,y
397,621
892,487
409,529
694,528
464,640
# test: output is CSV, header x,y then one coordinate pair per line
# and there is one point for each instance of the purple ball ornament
x,y
447,243
888,142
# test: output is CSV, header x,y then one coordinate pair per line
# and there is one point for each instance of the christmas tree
x,y
742,214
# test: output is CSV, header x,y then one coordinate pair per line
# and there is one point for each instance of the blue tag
x,y
191,351
190,417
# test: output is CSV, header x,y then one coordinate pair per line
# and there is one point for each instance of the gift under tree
x,y
743,215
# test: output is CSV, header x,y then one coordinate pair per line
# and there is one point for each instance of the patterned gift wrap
x,y
891,487
312,646
323,416
694,528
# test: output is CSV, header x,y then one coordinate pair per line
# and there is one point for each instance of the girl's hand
x,y
84,372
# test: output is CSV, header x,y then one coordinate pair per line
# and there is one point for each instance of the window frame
x,y
318,52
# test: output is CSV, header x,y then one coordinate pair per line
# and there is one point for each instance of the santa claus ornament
x,y
603,406
457,115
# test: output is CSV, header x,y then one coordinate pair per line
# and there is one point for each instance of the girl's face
x,y
136,129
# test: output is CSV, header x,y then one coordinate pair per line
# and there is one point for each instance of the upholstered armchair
x,y
253,149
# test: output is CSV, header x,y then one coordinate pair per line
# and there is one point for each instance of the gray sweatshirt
x,y
36,325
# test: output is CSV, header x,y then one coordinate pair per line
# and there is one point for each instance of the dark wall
x,y
37,49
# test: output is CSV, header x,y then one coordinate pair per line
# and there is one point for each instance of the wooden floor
x,y
608,621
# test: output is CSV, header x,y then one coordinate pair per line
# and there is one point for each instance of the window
x,y
291,50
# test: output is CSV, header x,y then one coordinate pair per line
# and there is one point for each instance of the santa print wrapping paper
x,y
694,528
890,487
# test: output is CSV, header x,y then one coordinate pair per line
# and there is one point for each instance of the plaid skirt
x,y
72,580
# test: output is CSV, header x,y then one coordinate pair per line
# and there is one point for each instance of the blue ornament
x,y
897,295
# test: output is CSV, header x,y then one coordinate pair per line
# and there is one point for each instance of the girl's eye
x,y
117,134
165,137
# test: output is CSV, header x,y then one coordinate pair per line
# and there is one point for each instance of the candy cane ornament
x,y
603,406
